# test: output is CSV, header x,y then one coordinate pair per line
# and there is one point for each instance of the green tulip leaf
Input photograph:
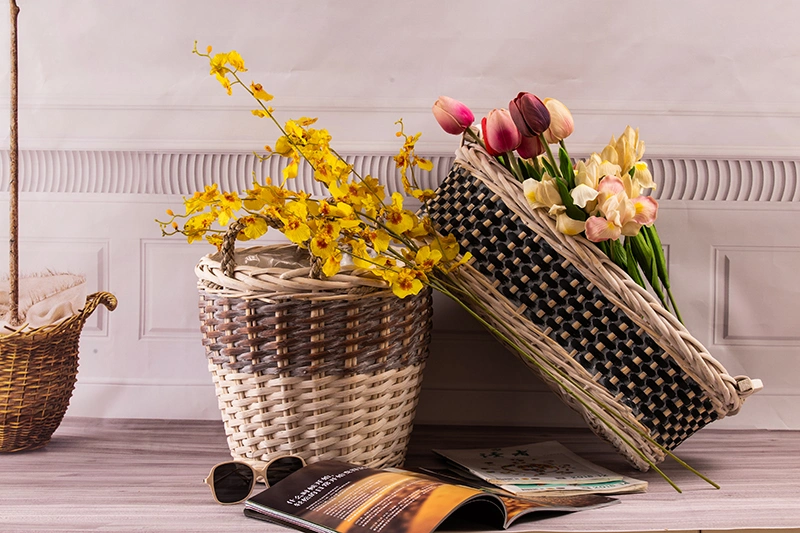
x,y
566,167
574,212
633,267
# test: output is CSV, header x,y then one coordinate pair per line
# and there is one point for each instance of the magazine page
x,y
541,463
521,504
518,507
336,496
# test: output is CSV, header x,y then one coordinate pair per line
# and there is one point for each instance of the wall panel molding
x,y
752,305
182,173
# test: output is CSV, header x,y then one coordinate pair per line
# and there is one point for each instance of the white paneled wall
x,y
118,121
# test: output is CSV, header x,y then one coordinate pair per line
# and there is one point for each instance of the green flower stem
x,y
475,137
674,305
550,155
512,159
294,145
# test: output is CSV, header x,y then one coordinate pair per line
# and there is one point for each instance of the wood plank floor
x,y
145,475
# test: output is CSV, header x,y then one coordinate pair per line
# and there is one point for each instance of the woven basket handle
x,y
93,300
228,261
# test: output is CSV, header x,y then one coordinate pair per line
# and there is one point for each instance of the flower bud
x,y
529,114
499,132
453,116
561,123
530,147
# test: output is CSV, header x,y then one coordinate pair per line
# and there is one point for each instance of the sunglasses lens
x,y
233,482
282,467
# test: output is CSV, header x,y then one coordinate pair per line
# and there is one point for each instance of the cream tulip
x,y
561,123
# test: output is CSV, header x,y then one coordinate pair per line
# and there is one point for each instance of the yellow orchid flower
x,y
379,239
260,93
427,258
216,239
398,220
447,246
254,227
323,245
236,61
217,63
405,283
332,264
360,255
296,230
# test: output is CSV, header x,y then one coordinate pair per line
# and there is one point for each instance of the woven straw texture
x,y
38,369
583,315
321,369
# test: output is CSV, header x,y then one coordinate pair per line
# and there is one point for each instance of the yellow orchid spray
x,y
356,222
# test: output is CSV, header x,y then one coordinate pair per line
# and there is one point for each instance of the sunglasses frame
x,y
258,473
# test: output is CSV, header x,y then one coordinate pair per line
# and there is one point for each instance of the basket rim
x,y
275,283
92,302
726,392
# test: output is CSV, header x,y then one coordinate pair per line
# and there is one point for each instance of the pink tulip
x,y
530,147
561,123
453,116
499,132
529,114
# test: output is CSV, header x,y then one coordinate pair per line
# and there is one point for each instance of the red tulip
x,y
530,147
529,114
499,132
453,116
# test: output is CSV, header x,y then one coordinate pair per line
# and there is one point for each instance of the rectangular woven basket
x,y
606,335
321,369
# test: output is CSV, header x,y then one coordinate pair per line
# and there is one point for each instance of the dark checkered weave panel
x,y
561,303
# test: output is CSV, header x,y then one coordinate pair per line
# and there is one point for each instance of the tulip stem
x,y
475,137
514,165
550,155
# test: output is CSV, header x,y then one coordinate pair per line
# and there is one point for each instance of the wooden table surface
x,y
146,475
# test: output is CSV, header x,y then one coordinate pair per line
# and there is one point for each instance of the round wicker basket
x,y
608,338
321,369
38,369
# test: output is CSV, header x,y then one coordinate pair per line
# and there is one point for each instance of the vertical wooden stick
x,y
13,229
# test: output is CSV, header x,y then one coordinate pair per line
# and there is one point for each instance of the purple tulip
x,y
499,132
453,116
529,114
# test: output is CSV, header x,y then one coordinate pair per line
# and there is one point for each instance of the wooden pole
x,y
13,229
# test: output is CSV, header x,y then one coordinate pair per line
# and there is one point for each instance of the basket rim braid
x,y
323,369
38,370
725,393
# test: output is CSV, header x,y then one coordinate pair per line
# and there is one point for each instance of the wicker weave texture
x,y
38,369
307,370
583,315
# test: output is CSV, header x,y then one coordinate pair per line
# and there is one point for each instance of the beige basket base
x,y
364,419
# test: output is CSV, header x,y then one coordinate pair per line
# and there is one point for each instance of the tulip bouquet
x,y
600,197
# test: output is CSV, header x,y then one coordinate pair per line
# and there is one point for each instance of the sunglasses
x,y
233,481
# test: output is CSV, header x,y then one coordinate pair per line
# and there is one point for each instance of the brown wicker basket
x,y
321,369
37,375
38,366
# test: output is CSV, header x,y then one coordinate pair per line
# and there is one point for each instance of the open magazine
x,y
333,496
541,468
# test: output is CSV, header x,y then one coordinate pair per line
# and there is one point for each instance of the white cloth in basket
x,y
44,299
